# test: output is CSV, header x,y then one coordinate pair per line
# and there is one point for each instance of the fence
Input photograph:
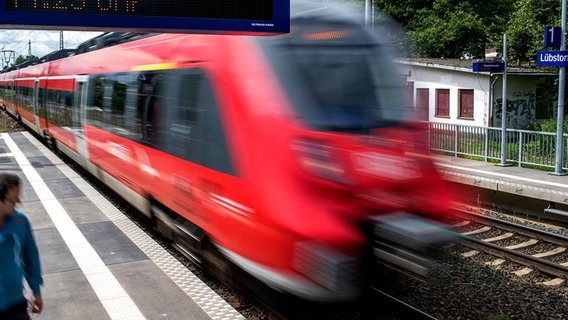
x,y
524,147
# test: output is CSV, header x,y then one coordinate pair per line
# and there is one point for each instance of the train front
x,y
349,175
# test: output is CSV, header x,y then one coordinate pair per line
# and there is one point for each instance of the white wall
x,y
434,78
522,102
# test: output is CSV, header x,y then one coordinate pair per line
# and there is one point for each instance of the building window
x,y
466,103
443,103
422,103
545,98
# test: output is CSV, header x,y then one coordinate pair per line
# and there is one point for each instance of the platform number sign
x,y
212,16
552,37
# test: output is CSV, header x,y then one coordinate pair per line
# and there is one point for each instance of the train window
x,y
26,98
114,105
339,77
95,104
180,125
149,95
59,105
120,98
184,118
171,110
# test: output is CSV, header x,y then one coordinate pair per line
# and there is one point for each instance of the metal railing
x,y
524,147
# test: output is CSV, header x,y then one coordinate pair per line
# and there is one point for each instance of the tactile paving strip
x,y
207,299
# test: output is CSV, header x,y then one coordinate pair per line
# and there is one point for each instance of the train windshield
x,y
338,77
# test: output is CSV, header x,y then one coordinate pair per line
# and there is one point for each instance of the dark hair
x,y
7,182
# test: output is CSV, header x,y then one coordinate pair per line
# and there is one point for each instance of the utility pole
x,y
368,12
29,48
61,45
560,116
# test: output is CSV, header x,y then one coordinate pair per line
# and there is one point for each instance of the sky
x,y
42,41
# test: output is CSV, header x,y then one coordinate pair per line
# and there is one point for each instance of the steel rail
x,y
540,264
414,312
517,228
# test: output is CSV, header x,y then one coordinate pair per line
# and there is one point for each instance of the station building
x,y
449,91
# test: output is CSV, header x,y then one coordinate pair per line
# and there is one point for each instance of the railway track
x,y
533,249
404,310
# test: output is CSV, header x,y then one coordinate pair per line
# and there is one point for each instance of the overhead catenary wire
x,y
43,41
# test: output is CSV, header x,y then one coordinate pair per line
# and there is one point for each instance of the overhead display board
x,y
209,16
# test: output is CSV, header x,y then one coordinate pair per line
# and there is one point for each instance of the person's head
x,y
9,193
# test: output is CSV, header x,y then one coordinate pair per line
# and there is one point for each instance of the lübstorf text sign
x,y
552,58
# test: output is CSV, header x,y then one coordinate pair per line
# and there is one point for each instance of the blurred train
x,y
291,157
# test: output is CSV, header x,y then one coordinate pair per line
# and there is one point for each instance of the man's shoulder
x,y
20,218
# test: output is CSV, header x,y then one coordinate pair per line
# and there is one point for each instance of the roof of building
x,y
466,65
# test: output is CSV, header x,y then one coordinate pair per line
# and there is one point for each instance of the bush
x,y
550,125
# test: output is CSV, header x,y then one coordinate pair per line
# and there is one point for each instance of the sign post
x,y
560,117
504,107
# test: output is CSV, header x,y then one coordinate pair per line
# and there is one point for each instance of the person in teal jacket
x,y
19,257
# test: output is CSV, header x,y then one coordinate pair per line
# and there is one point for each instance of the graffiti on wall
x,y
521,110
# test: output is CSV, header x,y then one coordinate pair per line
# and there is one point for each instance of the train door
x,y
40,110
12,97
32,110
79,116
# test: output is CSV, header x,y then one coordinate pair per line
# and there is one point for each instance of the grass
x,y
7,124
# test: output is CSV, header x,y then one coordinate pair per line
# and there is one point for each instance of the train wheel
x,y
216,264
50,141
161,221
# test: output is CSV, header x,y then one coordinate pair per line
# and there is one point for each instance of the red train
x,y
290,156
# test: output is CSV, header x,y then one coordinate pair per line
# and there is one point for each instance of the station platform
x,y
96,263
522,183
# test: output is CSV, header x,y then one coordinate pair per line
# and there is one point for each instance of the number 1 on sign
x,y
551,31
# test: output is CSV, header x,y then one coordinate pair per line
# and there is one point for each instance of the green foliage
x,y
21,59
451,34
450,28
458,28
526,28
551,125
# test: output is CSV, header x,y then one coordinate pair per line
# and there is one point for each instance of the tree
x,y
403,11
21,59
526,29
441,32
451,28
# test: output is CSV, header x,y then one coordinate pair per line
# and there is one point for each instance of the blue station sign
x,y
552,58
210,16
489,66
